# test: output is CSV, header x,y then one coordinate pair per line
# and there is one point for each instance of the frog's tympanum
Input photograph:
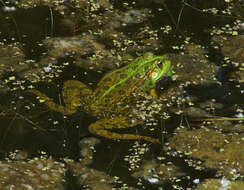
x,y
112,99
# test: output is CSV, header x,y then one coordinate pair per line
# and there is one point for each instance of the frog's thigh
x,y
74,92
103,127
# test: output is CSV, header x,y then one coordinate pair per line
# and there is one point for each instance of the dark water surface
x,y
30,26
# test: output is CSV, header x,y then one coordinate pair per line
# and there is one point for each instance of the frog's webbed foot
x,y
72,91
103,127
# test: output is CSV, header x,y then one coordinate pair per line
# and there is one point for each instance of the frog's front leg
x,y
153,93
74,92
102,127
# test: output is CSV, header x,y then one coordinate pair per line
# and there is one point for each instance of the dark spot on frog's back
x,y
121,91
107,79
138,76
146,68
105,87
123,75
98,92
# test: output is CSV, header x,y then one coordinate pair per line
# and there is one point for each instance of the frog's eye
x,y
160,64
154,75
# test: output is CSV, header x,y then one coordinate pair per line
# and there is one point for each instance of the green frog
x,y
112,100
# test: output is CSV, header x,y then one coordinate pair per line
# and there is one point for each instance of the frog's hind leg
x,y
72,92
102,127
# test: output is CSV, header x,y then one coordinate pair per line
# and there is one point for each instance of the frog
x,y
111,102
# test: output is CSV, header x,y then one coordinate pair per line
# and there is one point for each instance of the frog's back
x,y
119,83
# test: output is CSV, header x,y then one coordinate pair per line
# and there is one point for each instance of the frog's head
x,y
162,68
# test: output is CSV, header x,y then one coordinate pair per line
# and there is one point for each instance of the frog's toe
x,y
149,139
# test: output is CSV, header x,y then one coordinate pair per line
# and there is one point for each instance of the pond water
x,y
44,44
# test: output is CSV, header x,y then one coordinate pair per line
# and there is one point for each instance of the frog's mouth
x,y
165,78
164,83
